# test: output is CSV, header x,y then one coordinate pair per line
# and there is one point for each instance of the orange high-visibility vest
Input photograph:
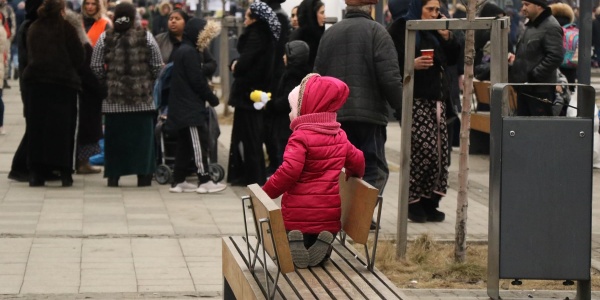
x,y
96,30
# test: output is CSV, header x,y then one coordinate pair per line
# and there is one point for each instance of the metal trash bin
x,y
540,214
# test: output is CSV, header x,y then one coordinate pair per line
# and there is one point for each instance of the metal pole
x,y
379,12
585,42
226,23
407,106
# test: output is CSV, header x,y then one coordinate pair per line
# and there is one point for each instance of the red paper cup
x,y
427,52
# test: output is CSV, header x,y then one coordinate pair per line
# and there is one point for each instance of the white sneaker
x,y
210,187
2,130
184,187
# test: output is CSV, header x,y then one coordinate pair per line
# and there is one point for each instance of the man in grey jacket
x,y
539,54
360,52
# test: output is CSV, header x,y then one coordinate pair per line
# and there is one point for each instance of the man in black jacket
x,y
539,54
360,52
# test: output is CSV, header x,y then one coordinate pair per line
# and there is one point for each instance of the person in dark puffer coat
x,y
296,56
360,52
317,151
188,114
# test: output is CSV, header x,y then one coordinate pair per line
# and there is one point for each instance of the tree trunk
x,y
460,248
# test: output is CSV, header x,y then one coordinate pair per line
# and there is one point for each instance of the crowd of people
x,y
325,94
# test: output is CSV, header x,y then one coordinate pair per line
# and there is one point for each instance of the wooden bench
x,y
480,120
261,267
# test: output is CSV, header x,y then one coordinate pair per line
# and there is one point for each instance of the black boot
x,y
35,179
144,180
416,213
66,178
113,181
430,206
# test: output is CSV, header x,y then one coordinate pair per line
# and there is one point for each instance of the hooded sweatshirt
x,y
316,152
189,87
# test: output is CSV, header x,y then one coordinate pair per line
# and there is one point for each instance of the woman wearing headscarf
x,y
54,53
429,142
256,47
311,22
19,170
128,59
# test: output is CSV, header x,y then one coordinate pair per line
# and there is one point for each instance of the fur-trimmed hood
x,y
99,14
76,21
162,5
199,32
563,13
211,30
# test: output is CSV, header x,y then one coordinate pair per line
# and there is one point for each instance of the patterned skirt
x,y
429,150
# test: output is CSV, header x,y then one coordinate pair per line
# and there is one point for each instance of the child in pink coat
x,y
316,152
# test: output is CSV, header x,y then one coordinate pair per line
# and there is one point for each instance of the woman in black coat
x,y
429,150
19,170
311,21
54,54
256,47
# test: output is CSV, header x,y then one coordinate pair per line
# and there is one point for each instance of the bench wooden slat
x,y
344,284
299,291
331,283
237,274
358,204
264,207
365,290
313,283
376,280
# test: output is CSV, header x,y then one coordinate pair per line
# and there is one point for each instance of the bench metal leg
x,y
244,199
584,290
227,291
270,292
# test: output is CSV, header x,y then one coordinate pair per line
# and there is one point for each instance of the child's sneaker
x,y
300,255
319,250
210,187
184,187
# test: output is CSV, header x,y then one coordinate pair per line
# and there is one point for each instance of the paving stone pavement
x,y
95,242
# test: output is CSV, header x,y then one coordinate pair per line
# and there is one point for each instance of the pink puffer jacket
x,y
316,152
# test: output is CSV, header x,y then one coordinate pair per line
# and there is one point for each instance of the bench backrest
x,y
482,91
359,200
264,207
